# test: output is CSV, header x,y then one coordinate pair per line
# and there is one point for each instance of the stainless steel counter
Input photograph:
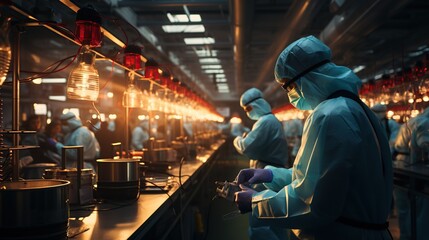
x,y
414,179
135,219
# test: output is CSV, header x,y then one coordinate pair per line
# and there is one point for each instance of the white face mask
x,y
296,99
252,115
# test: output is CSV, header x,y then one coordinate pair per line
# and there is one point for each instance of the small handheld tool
x,y
227,190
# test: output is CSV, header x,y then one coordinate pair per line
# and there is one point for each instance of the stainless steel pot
x,y
36,209
118,179
164,155
82,180
83,196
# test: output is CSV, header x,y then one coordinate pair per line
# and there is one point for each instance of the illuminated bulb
x,y
133,97
425,98
5,51
409,96
396,97
83,82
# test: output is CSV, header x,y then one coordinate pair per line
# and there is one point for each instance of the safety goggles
x,y
247,108
290,84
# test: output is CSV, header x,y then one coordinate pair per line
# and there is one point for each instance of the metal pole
x,y
127,117
15,101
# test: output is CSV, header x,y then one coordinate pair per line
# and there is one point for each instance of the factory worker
x,y
75,134
412,145
340,186
140,135
265,144
390,125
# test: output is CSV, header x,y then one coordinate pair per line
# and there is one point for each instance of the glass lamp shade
x,y
5,50
83,81
133,97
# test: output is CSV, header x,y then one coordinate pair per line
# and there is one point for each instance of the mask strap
x,y
311,68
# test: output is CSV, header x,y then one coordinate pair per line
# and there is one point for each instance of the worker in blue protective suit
x,y
75,134
412,146
389,125
340,186
265,144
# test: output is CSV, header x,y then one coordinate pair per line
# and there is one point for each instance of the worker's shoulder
x,y
337,107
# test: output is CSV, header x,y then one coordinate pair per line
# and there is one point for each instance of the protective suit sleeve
x,y
136,139
281,178
403,138
254,139
394,129
320,183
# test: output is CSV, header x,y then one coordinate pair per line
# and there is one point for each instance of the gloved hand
x,y
243,199
51,142
244,134
252,176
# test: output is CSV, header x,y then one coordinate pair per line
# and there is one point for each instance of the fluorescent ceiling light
x,y
223,90
40,108
200,40
209,60
221,80
359,68
49,80
213,71
220,75
222,86
183,28
216,66
58,98
184,18
206,53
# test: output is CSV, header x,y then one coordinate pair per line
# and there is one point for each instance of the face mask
x,y
252,115
297,100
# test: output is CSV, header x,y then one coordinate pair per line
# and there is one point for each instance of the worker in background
x,y
390,125
340,186
412,146
75,134
293,132
140,135
265,145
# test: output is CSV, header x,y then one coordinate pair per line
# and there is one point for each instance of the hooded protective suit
x,y
412,145
76,134
266,143
340,175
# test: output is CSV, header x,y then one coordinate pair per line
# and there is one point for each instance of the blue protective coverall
x,y
265,144
339,171
389,125
78,135
412,145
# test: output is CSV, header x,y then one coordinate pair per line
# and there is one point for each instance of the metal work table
x,y
414,179
135,219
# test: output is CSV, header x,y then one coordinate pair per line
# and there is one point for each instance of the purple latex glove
x,y
252,176
51,142
243,199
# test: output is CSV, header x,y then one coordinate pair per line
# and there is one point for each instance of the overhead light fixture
x,y
83,81
221,80
133,97
199,40
183,17
220,75
216,66
88,27
205,52
209,60
132,57
49,80
223,90
198,28
58,98
213,71
5,51
152,70
359,68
